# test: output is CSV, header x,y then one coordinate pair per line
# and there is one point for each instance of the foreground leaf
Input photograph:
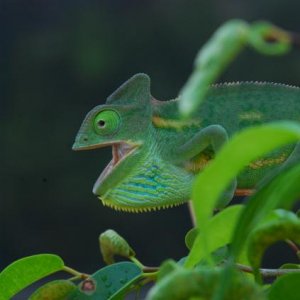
x,y
54,290
190,237
281,190
126,288
211,60
221,49
290,266
25,271
286,226
220,229
231,159
182,284
286,287
107,282
166,268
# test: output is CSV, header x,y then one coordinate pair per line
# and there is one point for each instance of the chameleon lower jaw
x,y
120,151
132,209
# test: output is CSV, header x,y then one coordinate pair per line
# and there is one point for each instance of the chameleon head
x,y
123,123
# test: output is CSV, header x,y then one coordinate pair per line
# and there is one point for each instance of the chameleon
x,y
156,154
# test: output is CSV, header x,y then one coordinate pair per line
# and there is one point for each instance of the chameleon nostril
x,y
85,139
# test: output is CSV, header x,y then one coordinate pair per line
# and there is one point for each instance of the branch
x,y
268,272
247,269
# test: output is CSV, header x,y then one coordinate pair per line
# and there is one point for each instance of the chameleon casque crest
x,y
156,153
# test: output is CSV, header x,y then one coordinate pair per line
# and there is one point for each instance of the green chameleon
x,y
156,153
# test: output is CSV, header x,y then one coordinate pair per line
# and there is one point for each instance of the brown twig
x,y
150,269
293,246
192,213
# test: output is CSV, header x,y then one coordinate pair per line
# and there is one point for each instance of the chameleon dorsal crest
x,y
135,91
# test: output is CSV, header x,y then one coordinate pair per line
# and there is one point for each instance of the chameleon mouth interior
x,y
120,151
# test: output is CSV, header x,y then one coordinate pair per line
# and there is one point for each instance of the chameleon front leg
x,y
215,136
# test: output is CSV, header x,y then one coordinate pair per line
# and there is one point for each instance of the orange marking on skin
x,y
244,192
197,164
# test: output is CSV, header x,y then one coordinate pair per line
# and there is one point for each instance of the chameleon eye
x,y
106,122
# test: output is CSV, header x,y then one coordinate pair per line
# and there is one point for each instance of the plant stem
x,y
268,272
145,269
75,273
294,247
137,262
148,277
150,269
247,269
192,213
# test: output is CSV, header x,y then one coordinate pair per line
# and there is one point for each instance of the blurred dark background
x,y
58,59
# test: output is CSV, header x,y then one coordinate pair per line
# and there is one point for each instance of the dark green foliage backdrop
x,y
58,59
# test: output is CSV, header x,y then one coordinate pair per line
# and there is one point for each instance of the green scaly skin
x,y
156,154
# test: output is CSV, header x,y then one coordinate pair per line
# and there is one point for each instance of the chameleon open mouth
x,y
120,151
140,191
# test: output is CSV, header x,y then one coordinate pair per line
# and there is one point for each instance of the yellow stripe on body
x,y
174,124
268,162
251,116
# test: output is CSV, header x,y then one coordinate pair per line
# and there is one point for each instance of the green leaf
x,y
54,290
210,61
25,271
261,30
108,283
277,215
286,226
218,255
243,148
221,49
182,284
290,266
111,244
220,229
126,288
190,237
167,267
181,261
286,287
281,189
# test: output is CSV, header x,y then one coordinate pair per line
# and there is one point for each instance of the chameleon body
x,y
156,153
